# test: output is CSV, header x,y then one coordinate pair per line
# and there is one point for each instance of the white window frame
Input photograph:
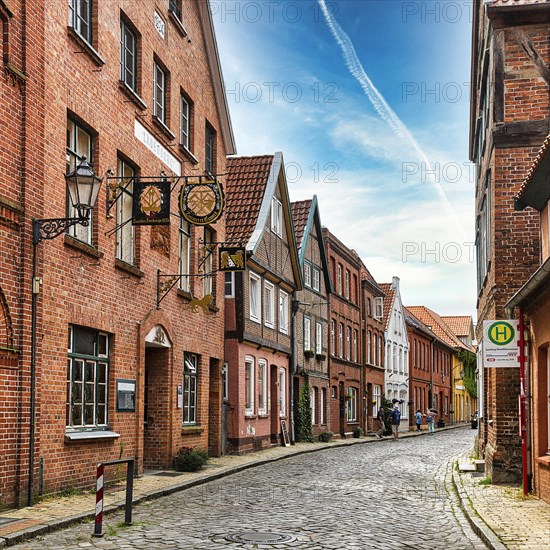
x,y
77,17
159,92
229,284
318,338
255,297
125,234
283,312
347,283
333,336
322,405
378,308
276,217
369,343
190,389
208,264
128,55
352,404
185,122
250,385
282,392
269,304
348,343
316,283
339,289
262,387
307,275
341,340
184,255
377,398
355,345
313,403
307,334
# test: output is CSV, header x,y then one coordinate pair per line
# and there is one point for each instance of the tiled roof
x,y
300,215
538,159
459,324
414,321
437,325
388,301
244,189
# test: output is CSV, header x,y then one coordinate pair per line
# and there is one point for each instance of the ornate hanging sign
x,y
232,258
201,202
151,203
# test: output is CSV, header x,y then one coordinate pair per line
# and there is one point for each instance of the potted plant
x,y
357,431
320,356
308,353
325,437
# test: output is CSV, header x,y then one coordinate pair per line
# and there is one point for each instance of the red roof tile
x,y
538,159
459,324
388,301
436,325
245,187
300,215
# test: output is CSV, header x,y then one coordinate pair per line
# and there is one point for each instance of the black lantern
x,y
83,187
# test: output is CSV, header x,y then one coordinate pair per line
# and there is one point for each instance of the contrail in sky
x,y
385,112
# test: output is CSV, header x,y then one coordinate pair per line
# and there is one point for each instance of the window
x,y
79,145
369,307
333,337
190,388
87,378
125,235
283,312
185,122
5,29
174,6
184,255
80,18
307,334
208,266
225,383
378,308
128,56
380,348
316,279
355,345
249,385
307,275
276,217
339,289
229,284
341,340
322,406
354,289
210,150
348,343
262,387
347,285
376,398
159,93
255,284
318,338
369,344
313,401
282,392
269,305
352,405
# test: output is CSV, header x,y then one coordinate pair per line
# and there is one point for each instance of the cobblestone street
x,y
385,495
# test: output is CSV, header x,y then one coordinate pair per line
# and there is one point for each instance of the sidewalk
x,y
519,523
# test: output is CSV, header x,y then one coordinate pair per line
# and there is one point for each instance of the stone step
x,y
480,465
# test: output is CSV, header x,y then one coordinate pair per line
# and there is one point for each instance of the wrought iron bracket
x,y
53,227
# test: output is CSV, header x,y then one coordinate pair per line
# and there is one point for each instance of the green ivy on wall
x,y
469,364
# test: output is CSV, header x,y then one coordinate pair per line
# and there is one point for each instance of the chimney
x,y
395,283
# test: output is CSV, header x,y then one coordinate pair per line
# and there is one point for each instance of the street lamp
x,y
83,188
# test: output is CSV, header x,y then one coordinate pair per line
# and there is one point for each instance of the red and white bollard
x,y
98,527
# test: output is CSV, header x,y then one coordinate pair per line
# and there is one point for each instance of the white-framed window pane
x,y
80,18
322,406
125,235
229,284
307,275
348,343
269,305
377,398
128,55
190,397
307,334
283,312
185,125
255,297
318,338
369,343
210,150
347,284
313,402
341,340
276,217
79,145
339,289
249,384
159,93
316,279
208,264
352,405
262,387
282,392
355,345
184,255
333,337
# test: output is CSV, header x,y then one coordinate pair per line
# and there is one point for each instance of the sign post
x,y
500,343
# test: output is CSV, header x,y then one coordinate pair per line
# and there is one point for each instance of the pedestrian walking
x,y
431,421
418,417
395,417
380,418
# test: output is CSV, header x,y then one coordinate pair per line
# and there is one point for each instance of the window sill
x,y
544,460
129,268
132,95
177,23
187,430
249,415
190,156
162,126
263,414
88,48
213,308
185,294
92,434
82,246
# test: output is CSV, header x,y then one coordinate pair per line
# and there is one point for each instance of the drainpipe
x,y
523,402
295,304
432,373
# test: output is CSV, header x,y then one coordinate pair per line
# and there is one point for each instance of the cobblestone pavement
x,y
391,495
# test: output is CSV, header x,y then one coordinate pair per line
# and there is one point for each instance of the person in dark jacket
x,y
380,417
395,417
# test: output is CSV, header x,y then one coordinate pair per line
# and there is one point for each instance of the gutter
x,y
541,276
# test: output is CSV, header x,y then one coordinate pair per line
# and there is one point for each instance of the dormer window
x,y
276,217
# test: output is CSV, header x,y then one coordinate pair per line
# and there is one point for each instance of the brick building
x,y
258,303
508,123
397,380
310,311
372,337
533,304
347,371
136,89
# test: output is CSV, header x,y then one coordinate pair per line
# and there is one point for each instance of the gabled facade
x,y
397,350
510,105
258,325
374,350
137,99
347,370
310,313
532,304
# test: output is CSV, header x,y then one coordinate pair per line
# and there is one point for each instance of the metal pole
x,y
98,526
129,492
522,402
33,370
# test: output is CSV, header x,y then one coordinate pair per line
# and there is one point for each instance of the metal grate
x,y
259,537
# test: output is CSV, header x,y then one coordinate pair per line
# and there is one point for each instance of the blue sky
x,y
369,102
